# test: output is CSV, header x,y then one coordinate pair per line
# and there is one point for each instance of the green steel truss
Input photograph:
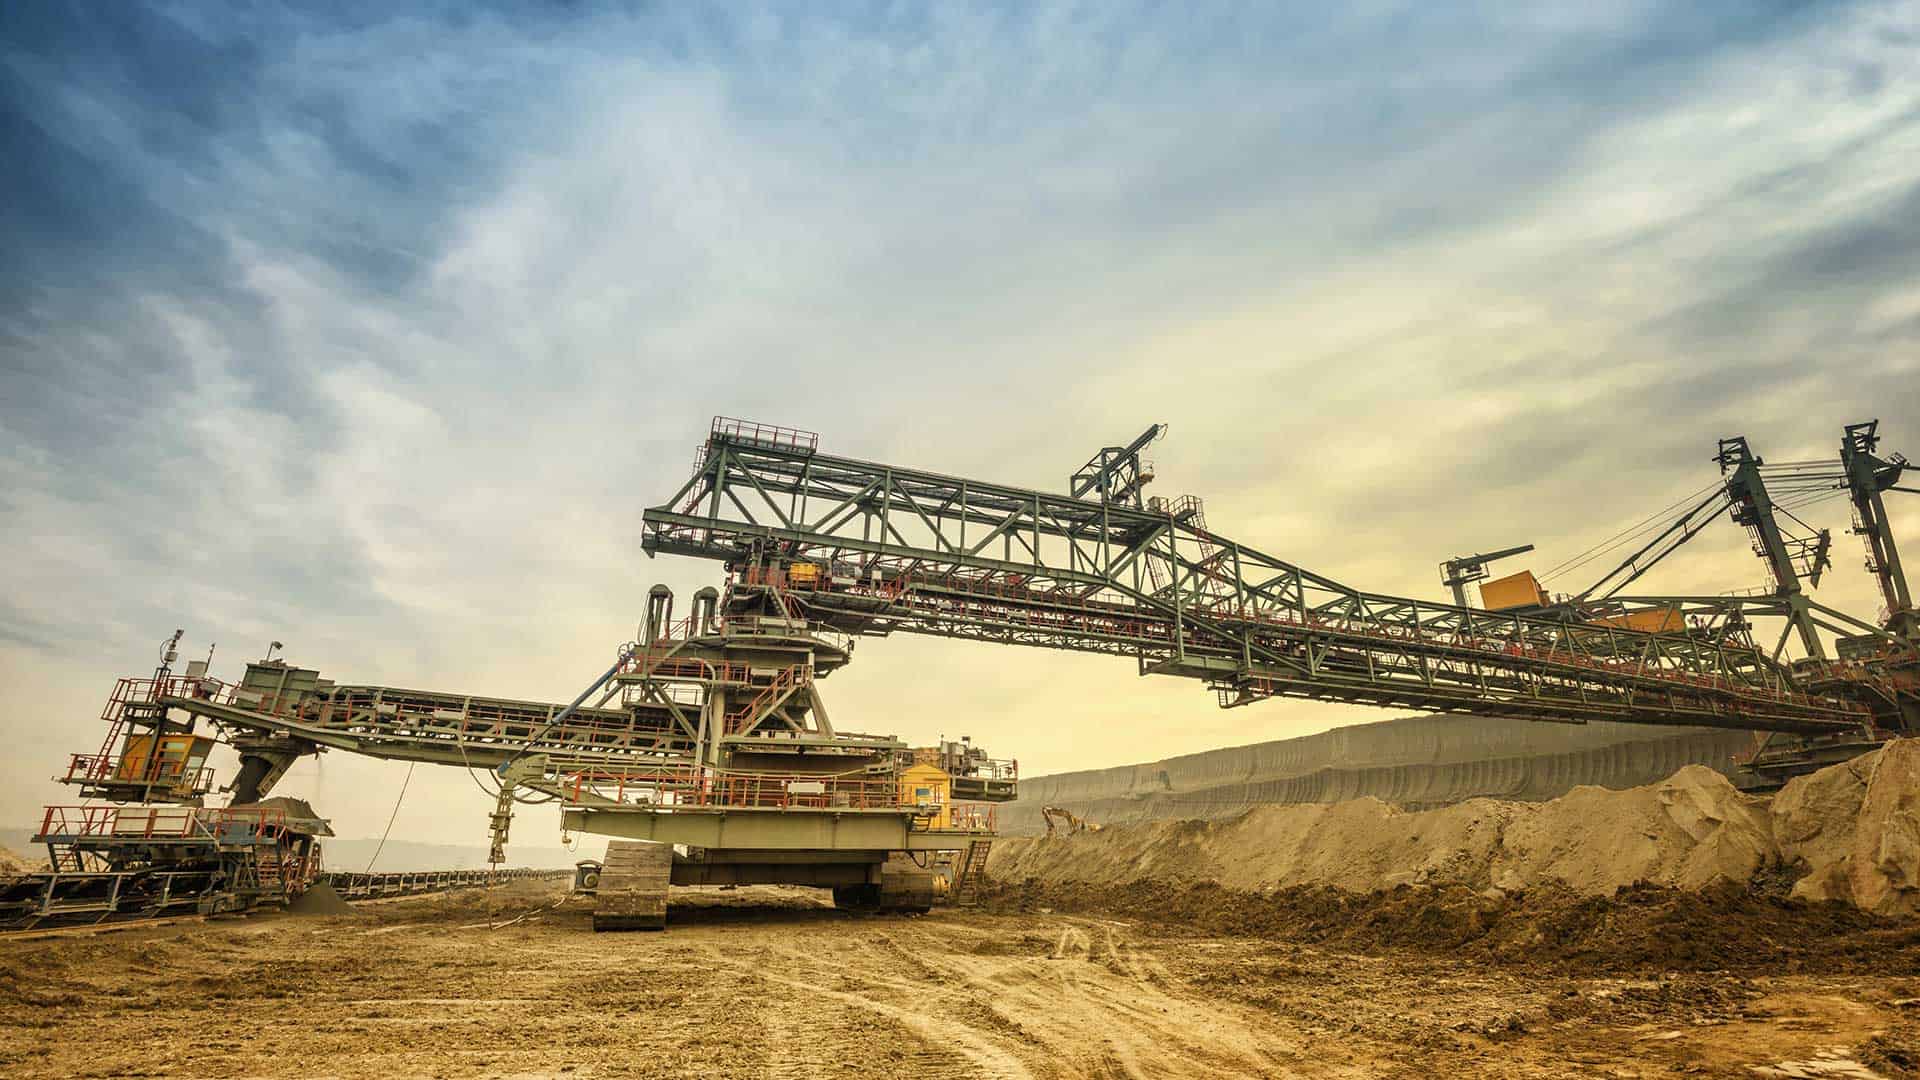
x,y
904,550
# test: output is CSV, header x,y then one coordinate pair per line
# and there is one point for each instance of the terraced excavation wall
x,y
1416,762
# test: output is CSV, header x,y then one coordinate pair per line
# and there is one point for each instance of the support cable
x,y
1651,521
1686,526
1627,535
382,846
1801,502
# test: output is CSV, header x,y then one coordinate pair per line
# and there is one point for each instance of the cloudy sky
x,y
375,334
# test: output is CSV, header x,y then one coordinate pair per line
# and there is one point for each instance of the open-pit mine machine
x,y
707,753
708,756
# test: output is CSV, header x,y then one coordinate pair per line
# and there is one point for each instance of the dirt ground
x,y
767,982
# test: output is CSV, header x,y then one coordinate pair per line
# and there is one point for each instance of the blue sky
x,y
374,334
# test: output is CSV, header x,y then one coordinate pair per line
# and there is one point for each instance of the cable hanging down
x,y
384,833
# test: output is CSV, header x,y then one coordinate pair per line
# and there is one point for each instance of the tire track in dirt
x,y
1096,992
1093,1008
759,984
933,1045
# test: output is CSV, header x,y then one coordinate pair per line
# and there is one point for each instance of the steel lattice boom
x,y
872,549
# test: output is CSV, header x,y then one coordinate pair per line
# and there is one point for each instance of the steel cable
x,y
1658,519
382,846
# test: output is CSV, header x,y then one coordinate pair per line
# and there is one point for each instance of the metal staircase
x,y
971,876
775,694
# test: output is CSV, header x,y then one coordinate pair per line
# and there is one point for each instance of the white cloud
x,y
480,289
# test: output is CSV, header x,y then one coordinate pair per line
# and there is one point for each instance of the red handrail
x,y
692,786
977,816
164,822
785,680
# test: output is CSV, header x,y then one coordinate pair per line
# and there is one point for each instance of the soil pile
x,y
1641,928
1688,831
320,899
1850,832
12,863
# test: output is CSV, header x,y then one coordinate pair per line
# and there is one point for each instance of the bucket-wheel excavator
x,y
706,751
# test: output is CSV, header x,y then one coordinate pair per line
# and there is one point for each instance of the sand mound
x,y
12,863
1688,831
320,899
1854,828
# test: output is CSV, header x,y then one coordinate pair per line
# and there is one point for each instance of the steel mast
x,y
1866,477
1754,508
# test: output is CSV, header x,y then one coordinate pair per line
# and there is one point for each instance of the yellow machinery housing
x,y
1521,590
1663,620
929,790
174,761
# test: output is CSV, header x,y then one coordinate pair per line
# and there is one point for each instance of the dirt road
x,y
773,983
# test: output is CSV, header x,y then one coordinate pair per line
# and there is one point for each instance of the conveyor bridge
x,y
874,549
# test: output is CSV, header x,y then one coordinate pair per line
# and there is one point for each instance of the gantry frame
x,y
908,550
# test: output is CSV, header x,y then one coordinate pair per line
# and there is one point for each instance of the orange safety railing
x,y
800,791
785,681
643,655
676,630
131,690
175,686
229,824
663,786
91,767
105,768
684,667
979,817
691,786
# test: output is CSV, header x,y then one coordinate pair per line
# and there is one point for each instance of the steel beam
x,y
769,830
1152,583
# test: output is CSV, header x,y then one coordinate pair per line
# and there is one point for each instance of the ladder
x,y
115,715
972,875
268,871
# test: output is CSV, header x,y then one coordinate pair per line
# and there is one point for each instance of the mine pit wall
x,y
1416,762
